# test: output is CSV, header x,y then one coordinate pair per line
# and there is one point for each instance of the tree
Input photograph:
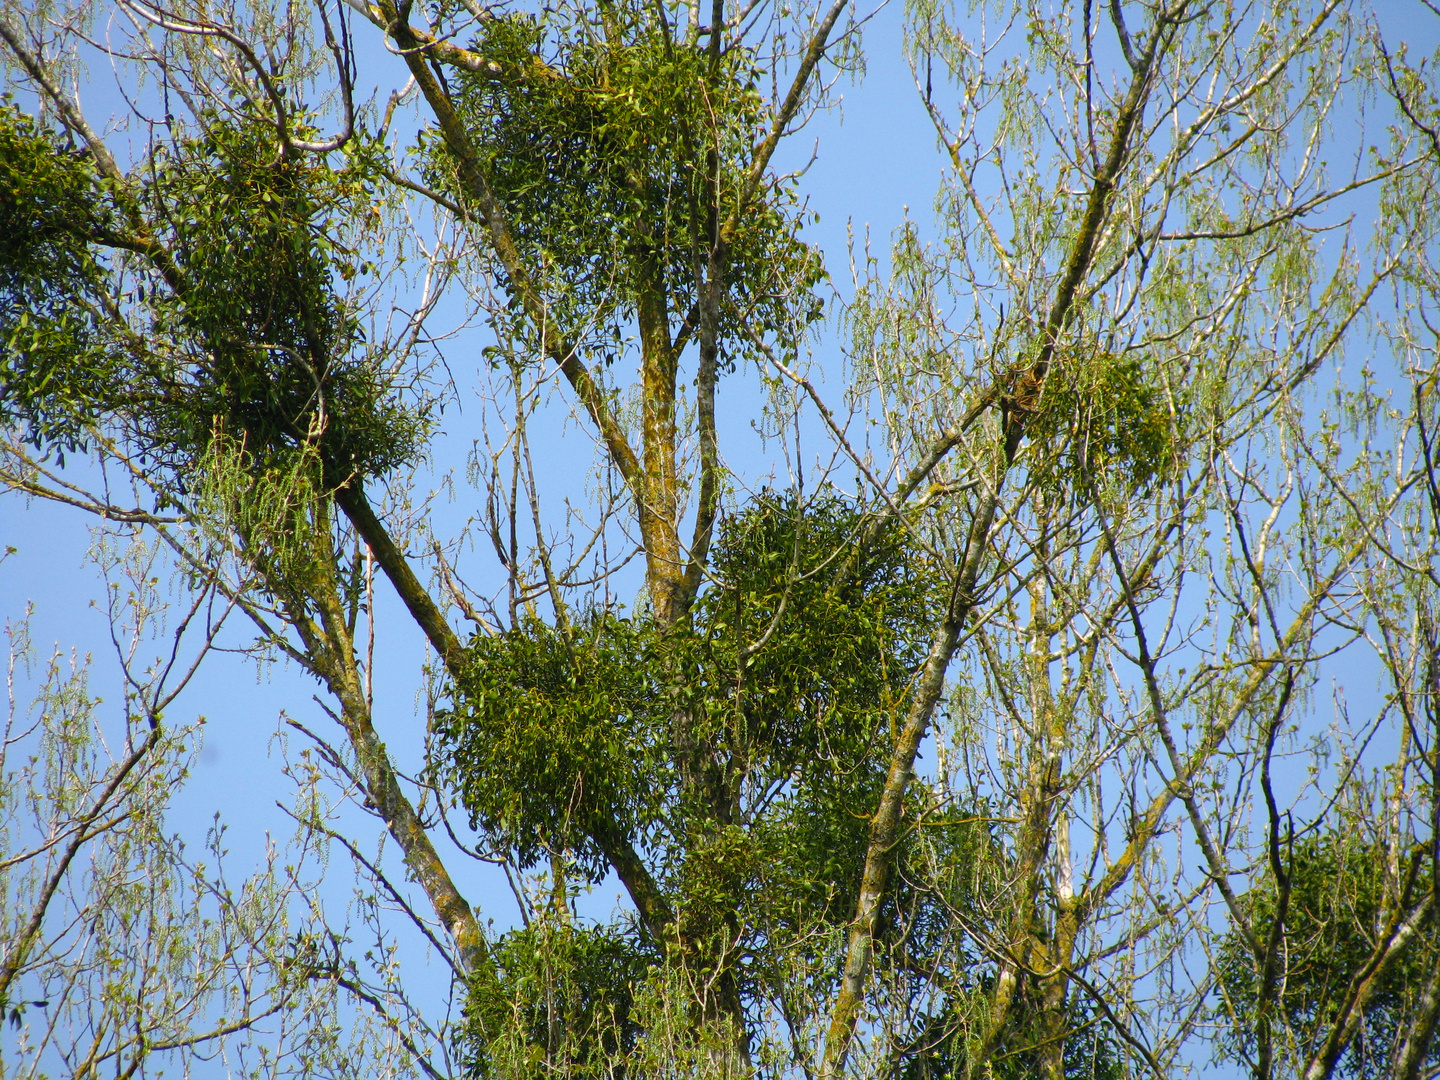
x,y
122,946
1110,546
1154,546
1333,891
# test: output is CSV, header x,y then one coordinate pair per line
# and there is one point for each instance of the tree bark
x,y
1023,395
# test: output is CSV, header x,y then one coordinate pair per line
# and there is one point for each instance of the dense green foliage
x,y
565,999
607,141
1344,897
563,736
56,365
561,729
553,733
268,348
236,326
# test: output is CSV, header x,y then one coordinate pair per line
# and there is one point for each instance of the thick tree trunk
x,y
332,657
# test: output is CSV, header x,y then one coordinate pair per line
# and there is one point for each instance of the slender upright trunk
x,y
1020,398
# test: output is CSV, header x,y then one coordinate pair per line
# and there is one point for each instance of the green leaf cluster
x,y
1104,415
266,348
199,295
56,363
553,733
809,638
562,1001
613,148
1340,904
